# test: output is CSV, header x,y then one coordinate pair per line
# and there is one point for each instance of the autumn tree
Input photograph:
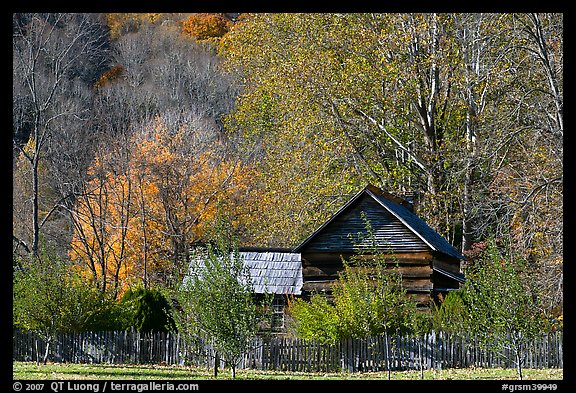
x,y
203,26
122,23
181,185
465,110
315,80
100,216
157,113
291,142
56,58
478,37
533,177
148,201
514,149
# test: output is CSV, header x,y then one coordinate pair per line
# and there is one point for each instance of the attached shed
x,y
277,272
429,265
274,271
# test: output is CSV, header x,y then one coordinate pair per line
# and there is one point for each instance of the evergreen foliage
x,y
146,310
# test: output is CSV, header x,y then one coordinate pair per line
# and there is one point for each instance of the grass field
x,y
55,371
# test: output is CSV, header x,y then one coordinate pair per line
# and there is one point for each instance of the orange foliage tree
x,y
203,26
138,219
109,75
118,23
100,225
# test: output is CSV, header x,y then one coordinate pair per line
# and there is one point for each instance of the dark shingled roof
x,y
453,275
418,226
397,207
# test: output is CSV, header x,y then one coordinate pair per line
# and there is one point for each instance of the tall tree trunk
x,y
387,345
144,233
467,215
35,225
37,351
519,364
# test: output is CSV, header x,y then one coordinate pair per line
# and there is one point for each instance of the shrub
x,y
146,309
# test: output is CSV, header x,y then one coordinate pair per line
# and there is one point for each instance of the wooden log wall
x,y
320,270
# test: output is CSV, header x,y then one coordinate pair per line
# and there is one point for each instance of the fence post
x,y
441,351
425,351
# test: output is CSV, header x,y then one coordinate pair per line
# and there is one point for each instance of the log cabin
x,y
428,263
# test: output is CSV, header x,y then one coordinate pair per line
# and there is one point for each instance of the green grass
x,y
57,371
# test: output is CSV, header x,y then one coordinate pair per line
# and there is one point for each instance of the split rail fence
x,y
435,350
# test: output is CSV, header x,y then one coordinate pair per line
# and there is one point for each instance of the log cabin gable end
x,y
395,228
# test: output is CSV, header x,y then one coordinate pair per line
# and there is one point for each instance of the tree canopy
x,y
130,131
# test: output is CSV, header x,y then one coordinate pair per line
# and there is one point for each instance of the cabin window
x,y
278,314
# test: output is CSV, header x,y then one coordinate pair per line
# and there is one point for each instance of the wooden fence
x,y
434,350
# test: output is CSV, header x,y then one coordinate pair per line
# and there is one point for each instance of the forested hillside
x,y
133,132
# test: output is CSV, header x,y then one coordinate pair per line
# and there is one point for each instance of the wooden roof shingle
x,y
276,272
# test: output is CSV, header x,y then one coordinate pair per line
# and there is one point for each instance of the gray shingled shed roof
x,y
277,272
274,272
